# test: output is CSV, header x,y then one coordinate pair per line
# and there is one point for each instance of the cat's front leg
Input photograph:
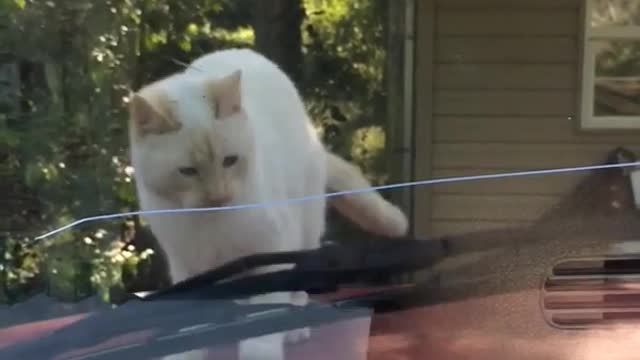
x,y
267,347
272,346
298,298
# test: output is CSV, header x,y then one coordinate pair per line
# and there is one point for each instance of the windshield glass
x,y
143,143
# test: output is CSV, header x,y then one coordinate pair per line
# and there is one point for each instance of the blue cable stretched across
x,y
339,193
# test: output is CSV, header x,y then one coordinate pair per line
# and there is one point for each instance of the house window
x,y
611,65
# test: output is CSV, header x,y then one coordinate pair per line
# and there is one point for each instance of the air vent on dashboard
x,y
593,292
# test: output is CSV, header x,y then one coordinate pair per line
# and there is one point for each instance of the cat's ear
x,y
151,114
226,95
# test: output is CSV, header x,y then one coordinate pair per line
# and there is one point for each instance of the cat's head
x,y
191,141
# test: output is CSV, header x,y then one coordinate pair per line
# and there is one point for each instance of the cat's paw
x,y
262,348
297,336
395,222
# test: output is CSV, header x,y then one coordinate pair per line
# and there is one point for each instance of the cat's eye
x,y
188,171
229,161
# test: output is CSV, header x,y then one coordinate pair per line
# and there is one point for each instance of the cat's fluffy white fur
x,y
229,130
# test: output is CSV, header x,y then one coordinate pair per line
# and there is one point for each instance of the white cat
x,y
232,129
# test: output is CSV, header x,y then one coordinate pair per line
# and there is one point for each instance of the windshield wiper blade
x,y
316,271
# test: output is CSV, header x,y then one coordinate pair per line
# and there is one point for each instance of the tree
x,y
63,136
277,27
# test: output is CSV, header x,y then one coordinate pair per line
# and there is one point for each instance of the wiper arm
x,y
316,271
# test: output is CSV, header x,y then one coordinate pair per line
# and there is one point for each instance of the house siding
x,y
505,80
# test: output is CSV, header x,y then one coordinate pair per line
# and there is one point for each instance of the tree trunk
x,y
394,77
277,27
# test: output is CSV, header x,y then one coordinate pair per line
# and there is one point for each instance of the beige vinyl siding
x,y
505,81
519,129
530,185
504,21
491,49
521,207
505,76
518,156
504,102
508,5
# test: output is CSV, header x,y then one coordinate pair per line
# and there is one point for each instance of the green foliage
x,y
65,73
618,58
346,39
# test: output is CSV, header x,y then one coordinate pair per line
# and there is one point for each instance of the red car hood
x,y
32,330
502,326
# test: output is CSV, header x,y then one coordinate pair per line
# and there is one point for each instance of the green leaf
x,y
185,45
192,29
20,4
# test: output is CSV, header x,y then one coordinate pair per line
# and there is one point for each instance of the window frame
x,y
588,121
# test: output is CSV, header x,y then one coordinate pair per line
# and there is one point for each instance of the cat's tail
x,y
369,210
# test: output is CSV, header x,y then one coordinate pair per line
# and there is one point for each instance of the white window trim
x,y
587,120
